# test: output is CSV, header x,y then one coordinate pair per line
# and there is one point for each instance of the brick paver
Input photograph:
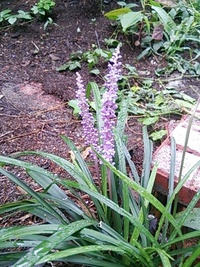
x,y
163,154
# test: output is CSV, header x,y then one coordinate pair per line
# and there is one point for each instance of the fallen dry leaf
x,y
85,153
158,32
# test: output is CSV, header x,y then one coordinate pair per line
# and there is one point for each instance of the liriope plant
x,y
117,230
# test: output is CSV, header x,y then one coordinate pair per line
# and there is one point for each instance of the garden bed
x,y
34,95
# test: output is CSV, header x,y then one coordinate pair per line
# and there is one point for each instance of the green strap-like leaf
x,y
79,250
18,232
144,193
33,194
62,233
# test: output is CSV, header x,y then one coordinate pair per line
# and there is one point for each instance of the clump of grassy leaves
x,y
117,231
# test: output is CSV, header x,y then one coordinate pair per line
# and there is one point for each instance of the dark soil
x,y
33,95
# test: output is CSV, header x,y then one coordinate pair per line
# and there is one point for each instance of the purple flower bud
x,y
109,106
90,132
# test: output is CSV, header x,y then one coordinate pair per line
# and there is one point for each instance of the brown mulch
x,y
33,95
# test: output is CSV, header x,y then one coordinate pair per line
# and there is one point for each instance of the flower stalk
x,y
107,114
90,132
109,107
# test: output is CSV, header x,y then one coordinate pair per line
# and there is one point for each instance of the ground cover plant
x,y
41,10
118,228
166,29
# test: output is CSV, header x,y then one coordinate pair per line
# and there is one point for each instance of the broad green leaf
x,y
131,19
183,103
116,13
145,52
149,120
92,105
35,10
95,71
132,70
23,15
12,20
111,42
187,97
76,55
63,67
103,53
165,18
159,100
74,65
158,135
70,65
5,12
157,45
192,220
124,4
74,104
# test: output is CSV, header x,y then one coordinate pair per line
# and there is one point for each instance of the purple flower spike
x,y
109,106
107,110
90,132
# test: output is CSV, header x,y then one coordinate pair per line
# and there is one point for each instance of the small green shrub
x,y
43,7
